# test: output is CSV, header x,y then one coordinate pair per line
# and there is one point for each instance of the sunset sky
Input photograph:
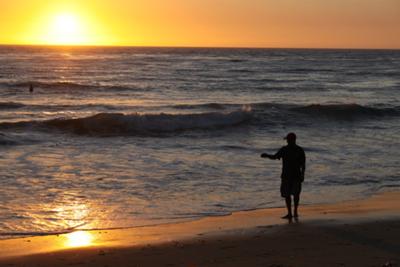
x,y
226,23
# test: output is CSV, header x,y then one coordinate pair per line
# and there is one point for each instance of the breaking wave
x,y
138,124
207,116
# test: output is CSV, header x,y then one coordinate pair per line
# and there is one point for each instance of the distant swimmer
x,y
293,169
30,88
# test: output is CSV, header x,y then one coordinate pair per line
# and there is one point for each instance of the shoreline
x,y
367,217
26,235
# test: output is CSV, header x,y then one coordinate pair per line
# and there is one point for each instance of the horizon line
x,y
192,47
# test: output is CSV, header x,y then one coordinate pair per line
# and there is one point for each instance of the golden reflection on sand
x,y
78,239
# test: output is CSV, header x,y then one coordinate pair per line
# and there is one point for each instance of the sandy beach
x,y
354,233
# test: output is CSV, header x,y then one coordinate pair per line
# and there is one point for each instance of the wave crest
x,y
141,124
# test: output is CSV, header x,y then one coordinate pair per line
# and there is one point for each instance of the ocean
x,y
125,137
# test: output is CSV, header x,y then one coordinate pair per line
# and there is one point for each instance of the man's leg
x,y
296,199
288,201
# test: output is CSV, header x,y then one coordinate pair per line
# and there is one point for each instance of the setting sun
x,y
66,29
65,23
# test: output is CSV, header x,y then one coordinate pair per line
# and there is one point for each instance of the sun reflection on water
x,y
79,239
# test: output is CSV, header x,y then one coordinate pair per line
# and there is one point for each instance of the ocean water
x,y
123,137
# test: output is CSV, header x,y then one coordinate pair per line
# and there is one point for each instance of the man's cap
x,y
290,136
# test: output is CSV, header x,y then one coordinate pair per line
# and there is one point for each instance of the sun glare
x,y
66,29
79,239
66,24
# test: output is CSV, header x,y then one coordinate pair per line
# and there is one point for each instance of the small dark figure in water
x,y
293,169
30,88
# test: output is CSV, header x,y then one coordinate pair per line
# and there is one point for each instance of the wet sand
x,y
355,233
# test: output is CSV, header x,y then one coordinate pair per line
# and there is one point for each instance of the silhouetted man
x,y
293,168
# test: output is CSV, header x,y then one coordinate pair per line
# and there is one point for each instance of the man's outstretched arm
x,y
276,156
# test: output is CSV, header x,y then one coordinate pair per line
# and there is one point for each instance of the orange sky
x,y
228,23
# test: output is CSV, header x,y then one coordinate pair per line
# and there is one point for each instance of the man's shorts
x,y
290,187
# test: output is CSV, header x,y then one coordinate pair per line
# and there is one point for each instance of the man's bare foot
x,y
289,216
